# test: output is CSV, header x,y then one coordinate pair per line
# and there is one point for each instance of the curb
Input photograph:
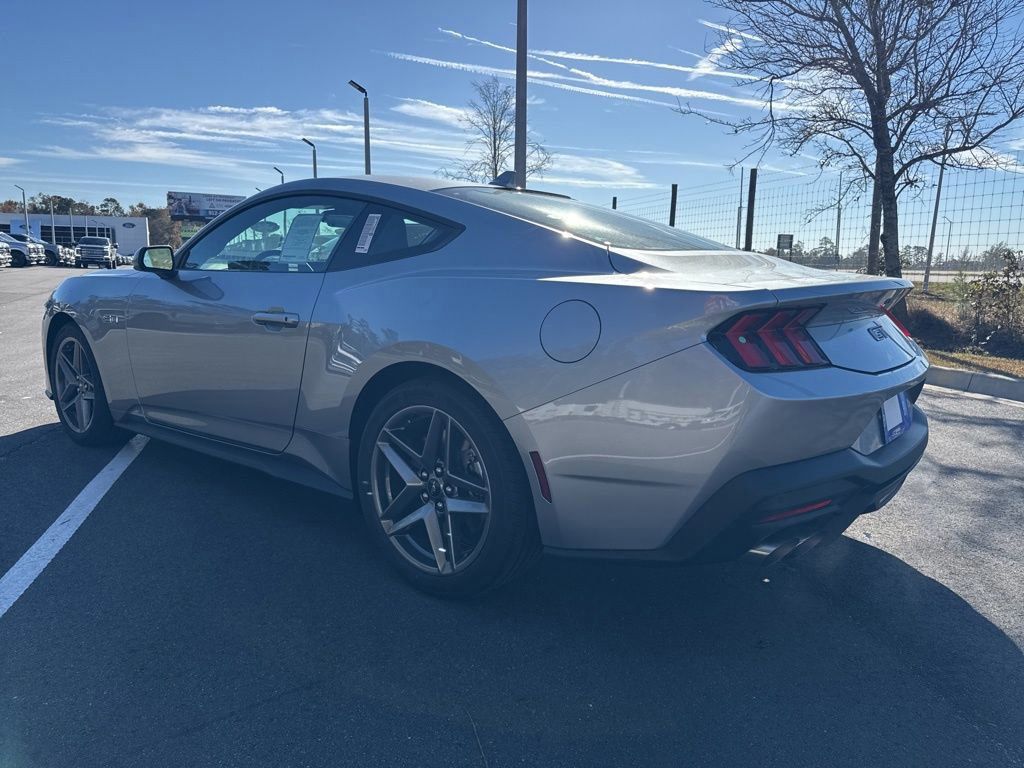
x,y
992,384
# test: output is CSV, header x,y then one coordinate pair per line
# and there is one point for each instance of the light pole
x,y
280,172
366,124
71,222
520,137
258,189
307,141
24,207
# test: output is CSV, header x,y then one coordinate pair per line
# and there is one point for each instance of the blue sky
x,y
133,99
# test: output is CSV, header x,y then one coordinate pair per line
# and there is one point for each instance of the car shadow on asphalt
x,y
212,607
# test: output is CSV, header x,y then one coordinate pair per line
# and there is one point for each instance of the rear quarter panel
x,y
476,308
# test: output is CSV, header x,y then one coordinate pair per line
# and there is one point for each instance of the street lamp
x,y
281,172
24,206
366,124
307,141
258,189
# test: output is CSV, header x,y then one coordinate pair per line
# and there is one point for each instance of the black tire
x,y
101,430
19,260
511,542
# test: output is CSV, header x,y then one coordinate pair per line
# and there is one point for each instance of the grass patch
x,y
966,361
936,326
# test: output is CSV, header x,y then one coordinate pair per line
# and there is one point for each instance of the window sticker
x,y
299,239
366,236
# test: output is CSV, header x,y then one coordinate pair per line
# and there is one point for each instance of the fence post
x,y
839,220
615,203
748,244
935,223
672,206
739,210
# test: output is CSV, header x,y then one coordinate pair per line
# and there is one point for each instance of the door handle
x,y
275,320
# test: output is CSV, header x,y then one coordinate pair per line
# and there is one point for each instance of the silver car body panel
x,y
634,434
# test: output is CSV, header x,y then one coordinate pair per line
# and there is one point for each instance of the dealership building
x,y
128,233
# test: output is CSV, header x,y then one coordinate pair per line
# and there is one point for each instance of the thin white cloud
x,y
6,161
497,46
597,58
730,30
562,82
584,171
708,65
671,90
682,163
429,110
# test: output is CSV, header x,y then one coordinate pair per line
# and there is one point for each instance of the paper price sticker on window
x,y
366,236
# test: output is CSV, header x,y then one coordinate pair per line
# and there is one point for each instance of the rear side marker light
x,y
542,477
769,340
796,511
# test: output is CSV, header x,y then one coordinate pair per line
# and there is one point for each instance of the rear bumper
x,y
733,521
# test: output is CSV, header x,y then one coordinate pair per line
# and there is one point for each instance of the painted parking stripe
x,y
31,564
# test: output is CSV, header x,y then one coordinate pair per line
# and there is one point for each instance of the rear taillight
x,y
770,340
897,323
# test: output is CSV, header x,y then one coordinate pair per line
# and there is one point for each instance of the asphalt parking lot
x,y
206,614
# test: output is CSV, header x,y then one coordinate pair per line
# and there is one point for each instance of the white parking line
x,y
31,564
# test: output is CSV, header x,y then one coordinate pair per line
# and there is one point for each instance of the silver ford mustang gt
x,y
494,372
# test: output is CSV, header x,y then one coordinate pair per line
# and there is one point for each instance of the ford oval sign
x,y
129,225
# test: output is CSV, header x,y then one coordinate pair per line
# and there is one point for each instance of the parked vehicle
x,y
68,257
24,254
5,255
490,371
95,250
52,250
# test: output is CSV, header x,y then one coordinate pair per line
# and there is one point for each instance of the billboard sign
x,y
198,205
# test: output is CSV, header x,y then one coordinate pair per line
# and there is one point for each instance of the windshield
x,y
5,238
94,241
590,222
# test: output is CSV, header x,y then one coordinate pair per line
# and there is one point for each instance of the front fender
x,y
97,304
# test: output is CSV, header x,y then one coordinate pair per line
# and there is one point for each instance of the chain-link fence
x,y
980,215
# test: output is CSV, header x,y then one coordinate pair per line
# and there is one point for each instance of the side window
x,y
295,234
387,234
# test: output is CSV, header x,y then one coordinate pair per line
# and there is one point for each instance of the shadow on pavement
x,y
210,615
41,472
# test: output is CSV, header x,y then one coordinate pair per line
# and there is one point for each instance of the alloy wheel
x,y
75,385
430,489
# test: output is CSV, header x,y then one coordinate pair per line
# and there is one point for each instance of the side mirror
x,y
155,258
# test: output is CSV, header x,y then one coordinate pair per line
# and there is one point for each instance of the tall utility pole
x,y
520,147
53,225
280,172
71,221
307,141
366,125
24,207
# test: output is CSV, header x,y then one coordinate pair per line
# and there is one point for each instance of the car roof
x,y
419,183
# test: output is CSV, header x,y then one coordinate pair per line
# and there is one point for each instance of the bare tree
x,y
879,85
491,120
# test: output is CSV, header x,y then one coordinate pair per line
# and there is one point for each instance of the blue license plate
x,y
895,417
